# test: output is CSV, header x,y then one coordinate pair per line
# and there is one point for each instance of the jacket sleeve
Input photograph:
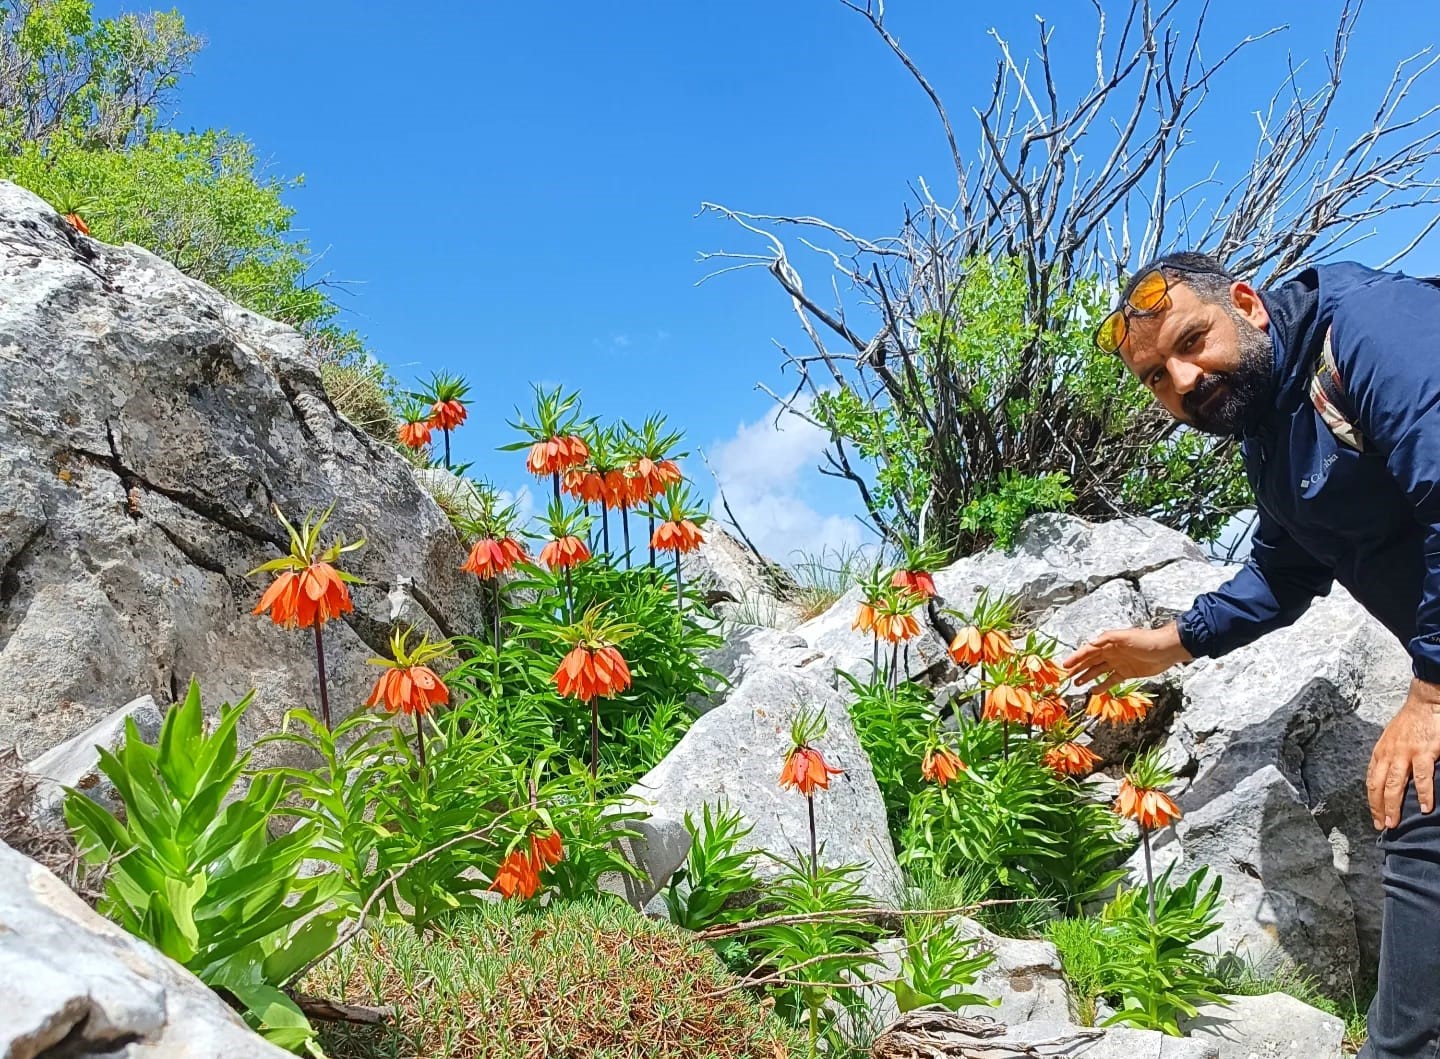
x,y
1386,339
1269,592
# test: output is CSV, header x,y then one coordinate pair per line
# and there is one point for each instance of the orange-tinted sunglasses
x,y
1151,295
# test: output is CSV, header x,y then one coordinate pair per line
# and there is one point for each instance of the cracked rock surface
x,y
78,986
147,425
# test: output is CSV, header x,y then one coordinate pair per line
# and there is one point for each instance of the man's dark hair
x,y
1203,274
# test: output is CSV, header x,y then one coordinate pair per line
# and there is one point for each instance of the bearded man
x,y
1331,381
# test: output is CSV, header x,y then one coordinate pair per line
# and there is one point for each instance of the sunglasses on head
x,y
1150,295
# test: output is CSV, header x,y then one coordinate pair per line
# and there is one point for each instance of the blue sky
x,y
510,190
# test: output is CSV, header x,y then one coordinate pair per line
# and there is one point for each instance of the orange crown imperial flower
x,y
408,684
564,552
78,223
1071,759
941,765
683,536
490,557
583,484
1141,797
445,395
805,769
896,628
594,666
917,582
864,617
1150,808
414,435
517,877
616,493
1005,702
557,454
309,590
1049,711
447,415
1042,671
1116,707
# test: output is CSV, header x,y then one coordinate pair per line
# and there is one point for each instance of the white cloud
x,y
763,469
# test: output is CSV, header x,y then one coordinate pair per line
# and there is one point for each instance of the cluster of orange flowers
x,y
635,484
519,873
446,412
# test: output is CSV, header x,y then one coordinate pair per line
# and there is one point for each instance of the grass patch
x,y
1016,918
1244,977
585,979
823,577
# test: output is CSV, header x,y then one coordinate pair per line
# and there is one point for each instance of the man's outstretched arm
x,y
1269,592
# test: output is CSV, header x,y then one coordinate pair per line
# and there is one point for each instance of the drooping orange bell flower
x,y
682,536
1149,807
490,557
1042,672
517,876
1117,709
864,617
972,646
896,628
564,553
447,415
616,491
647,481
807,771
546,852
308,590
78,223
1004,702
1049,710
1071,759
587,673
968,647
941,765
584,484
414,435
917,582
408,684
560,453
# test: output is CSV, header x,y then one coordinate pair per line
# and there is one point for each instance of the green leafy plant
x,y
938,963
716,874
1080,942
1154,965
815,964
895,726
200,878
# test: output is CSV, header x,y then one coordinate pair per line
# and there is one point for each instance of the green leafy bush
x,y
1155,972
706,889
894,727
937,965
202,880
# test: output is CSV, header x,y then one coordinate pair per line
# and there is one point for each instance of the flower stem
x,y
320,671
875,658
605,525
1149,872
650,514
569,598
895,665
555,478
594,737
625,522
1004,740
496,594
814,857
420,739
447,448
679,585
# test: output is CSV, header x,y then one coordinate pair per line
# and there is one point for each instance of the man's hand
x,y
1125,654
1408,747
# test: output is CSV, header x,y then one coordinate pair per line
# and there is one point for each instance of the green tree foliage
x,y
981,425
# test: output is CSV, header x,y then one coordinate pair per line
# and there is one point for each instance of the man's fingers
x,y
1082,657
1375,788
1396,780
1424,770
1092,673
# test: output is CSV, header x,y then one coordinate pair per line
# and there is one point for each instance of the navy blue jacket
x,y
1369,520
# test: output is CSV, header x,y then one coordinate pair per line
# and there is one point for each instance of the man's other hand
x,y
1408,747
1125,654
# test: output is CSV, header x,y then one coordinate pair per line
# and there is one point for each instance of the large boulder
x,y
1272,1026
77,985
735,752
147,427
739,585
1058,558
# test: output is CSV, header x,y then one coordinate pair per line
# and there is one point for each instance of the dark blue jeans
x,y
1404,1020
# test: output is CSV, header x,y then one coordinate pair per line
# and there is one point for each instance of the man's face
x,y
1206,363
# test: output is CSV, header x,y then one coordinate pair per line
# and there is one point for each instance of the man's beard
x,y
1242,388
